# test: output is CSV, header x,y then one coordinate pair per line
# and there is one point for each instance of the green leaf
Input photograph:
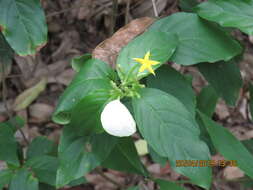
x,y
207,100
187,5
43,186
5,177
78,62
75,158
85,118
44,168
40,146
229,13
166,185
77,182
171,81
228,145
248,144
199,40
24,180
251,100
171,130
160,45
24,25
7,140
124,157
156,157
224,77
94,75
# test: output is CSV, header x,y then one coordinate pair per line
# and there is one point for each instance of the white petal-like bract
x,y
117,120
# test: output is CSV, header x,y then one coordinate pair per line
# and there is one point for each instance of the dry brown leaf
x,y
232,173
108,50
41,112
28,96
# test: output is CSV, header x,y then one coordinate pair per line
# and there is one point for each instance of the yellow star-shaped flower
x,y
146,63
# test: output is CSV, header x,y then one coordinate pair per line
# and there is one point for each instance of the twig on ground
x,y
114,15
109,179
127,11
155,8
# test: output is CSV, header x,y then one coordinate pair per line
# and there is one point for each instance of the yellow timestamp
x,y
205,163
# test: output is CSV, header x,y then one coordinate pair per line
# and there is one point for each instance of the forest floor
x,y
77,27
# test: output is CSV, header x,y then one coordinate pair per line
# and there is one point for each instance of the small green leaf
x,y
124,157
8,145
94,75
171,130
160,45
229,13
171,81
29,18
80,155
78,62
228,145
5,177
251,100
40,146
199,40
28,96
24,180
224,77
77,182
207,100
166,185
44,168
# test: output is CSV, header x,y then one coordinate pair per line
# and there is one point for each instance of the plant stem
x,y
4,92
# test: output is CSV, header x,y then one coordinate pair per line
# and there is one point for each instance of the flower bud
x,y
117,120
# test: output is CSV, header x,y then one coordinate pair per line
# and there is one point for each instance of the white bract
x,y
117,120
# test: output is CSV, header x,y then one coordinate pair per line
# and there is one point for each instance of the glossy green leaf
x,y
94,75
78,62
23,24
124,157
171,130
40,146
24,180
80,155
166,185
188,5
171,81
160,45
77,182
199,40
44,168
85,118
228,145
229,13
8,145
207,100
251,100
5,177
225,78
